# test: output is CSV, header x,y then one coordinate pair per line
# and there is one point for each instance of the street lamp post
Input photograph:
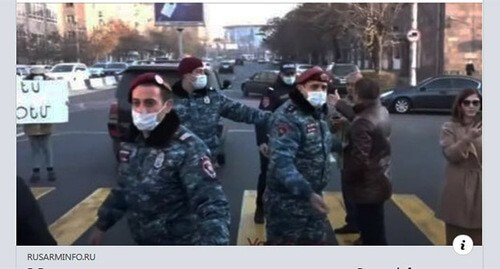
x,y
414,25
181,49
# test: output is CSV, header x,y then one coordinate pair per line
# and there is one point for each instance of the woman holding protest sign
x,y
39,137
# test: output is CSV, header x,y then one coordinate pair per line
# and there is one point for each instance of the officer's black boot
x,y
259,215
35,177
51,175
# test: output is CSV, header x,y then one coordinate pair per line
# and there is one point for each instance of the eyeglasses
x,y
469,102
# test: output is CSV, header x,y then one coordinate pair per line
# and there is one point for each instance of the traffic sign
x,y
413,35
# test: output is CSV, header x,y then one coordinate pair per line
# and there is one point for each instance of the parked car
x,y
69,71
140,62
239,61
112,69
226,67
46,67
120,114
259,82
435,93
303,67
97,70
261,61
22,71
339,71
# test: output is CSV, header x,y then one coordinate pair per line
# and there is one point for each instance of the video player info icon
x,y
463,244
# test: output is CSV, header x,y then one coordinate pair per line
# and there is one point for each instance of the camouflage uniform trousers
x,y
293,222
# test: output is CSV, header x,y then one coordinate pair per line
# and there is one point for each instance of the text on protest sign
x,y
42,101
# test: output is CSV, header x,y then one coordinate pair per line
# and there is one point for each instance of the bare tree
x,y
374,21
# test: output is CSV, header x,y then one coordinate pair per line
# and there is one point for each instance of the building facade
x,y
451,35
35,22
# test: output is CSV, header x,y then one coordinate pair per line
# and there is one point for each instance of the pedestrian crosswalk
x,y
68,228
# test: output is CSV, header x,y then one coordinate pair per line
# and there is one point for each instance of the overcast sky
x,y
219,15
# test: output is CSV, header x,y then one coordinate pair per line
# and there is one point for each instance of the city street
x,y
86,169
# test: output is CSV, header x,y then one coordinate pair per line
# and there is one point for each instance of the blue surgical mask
x,y
289,80
145,121
316,98
200,82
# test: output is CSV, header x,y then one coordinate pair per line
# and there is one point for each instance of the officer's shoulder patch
x,y
207,167
283,128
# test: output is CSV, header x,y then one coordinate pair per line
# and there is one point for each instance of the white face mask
x,y
38,78
147,121
316,98
200,82
289,80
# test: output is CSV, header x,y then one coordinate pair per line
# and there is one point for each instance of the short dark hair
x,y
367,89
457,113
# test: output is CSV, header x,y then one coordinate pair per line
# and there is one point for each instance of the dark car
x,y
239,61
259,82
120,111
435,93
339,72
112,69
226,67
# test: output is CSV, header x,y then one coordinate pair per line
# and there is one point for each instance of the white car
x,y
97,70
70,71
303,67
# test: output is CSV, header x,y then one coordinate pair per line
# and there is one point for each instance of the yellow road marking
x,y
68,228
39,192
336,216
250,233
422,216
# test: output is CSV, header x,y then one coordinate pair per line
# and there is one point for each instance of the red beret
x,y
187,65
148,78
315,73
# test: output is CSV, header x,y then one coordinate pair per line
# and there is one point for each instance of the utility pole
x,y
414,26
181,50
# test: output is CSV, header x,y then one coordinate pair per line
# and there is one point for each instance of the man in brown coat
x,y
367,162
39,136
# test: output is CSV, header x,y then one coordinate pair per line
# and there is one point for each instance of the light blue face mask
x,y
200,82
289,80
317,98
145,121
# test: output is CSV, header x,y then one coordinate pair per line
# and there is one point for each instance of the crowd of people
x,y
306,133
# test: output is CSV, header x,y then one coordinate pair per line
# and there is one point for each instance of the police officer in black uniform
x,y
270,101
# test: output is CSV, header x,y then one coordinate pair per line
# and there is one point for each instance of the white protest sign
x,y
42,101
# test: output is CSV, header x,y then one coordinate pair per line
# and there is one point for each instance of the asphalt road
x,y
84,163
